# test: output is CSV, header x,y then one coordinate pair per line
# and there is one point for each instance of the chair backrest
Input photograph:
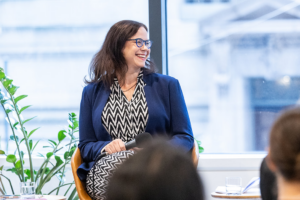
x,y
195,153
76,161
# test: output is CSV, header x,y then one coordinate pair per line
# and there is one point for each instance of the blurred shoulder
x,y
92,88
160,78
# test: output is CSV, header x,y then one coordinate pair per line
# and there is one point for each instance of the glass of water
x,y
233,185
27,190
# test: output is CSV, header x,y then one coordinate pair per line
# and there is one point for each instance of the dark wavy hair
x,y
285,144
110,60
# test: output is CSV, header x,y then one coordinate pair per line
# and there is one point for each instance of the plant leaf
x,y
47,170
22,109
22,140
6,82
27,120
17,99
15,124
22,154
18,164
201,149
49,154
2,74
14,170
47,147
30,144
52,142
1,168
13,138
2,152
35,144
61,135
7,111
12,89
11,158
40,155
58,161
58,149
75,123
66,155
27,172
31,132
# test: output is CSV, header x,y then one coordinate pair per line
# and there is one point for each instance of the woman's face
x,y
136,56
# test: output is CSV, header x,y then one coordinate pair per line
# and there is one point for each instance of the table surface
x,y
52,197
48,197
242,196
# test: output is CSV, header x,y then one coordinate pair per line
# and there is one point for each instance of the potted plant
x,y
25,146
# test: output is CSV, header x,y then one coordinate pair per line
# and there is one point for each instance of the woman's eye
x,y
140,42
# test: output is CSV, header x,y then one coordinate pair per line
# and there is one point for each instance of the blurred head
x,y
284,152
118,53
158,172
268,183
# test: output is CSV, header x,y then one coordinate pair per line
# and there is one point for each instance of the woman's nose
x,y
144,46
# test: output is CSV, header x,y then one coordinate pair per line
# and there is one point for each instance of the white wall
x,y
213,168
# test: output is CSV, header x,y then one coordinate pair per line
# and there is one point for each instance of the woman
x,y
284,154
125,97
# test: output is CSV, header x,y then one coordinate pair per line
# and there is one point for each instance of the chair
x,y
76,161
195,154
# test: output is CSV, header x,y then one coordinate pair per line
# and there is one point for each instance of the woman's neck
x,y
288,189
130,77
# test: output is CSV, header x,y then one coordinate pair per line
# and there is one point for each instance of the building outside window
x,y
238,65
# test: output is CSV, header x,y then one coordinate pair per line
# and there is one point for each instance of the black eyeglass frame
x,y
144,42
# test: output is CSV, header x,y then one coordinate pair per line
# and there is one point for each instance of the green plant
x,y
201,149
10,105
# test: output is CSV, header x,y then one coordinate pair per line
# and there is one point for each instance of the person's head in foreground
x,y
267,184
284,153
158,172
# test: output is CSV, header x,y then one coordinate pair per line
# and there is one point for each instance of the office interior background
x,y
237,62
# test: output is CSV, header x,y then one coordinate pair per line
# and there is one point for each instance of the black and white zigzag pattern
x,y
98,177
125,119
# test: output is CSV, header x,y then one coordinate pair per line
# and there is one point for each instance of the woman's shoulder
x,y
92,88
160,78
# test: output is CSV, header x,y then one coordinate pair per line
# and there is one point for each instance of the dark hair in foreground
x,y
158,172
285,144
110,61
268,183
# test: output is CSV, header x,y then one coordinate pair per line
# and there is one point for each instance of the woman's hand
x,y
115,146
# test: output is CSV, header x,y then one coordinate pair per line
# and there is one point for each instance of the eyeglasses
x,y
140,42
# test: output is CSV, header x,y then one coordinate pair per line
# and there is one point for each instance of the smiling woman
x,y
123,98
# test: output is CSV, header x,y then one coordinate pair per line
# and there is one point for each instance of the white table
x,y
242,196
51,197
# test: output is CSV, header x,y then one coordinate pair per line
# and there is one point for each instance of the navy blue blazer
x,y
168,115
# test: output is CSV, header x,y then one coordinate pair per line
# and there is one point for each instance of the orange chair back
x,y
76,161
195,154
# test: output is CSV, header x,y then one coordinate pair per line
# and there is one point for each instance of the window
x,y
46,47
238,65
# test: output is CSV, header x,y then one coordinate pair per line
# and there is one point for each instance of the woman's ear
x,y
270,163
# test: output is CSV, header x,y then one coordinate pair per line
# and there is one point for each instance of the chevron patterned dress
x,y
123,120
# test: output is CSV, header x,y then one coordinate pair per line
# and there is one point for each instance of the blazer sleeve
x,y
89,145
182,133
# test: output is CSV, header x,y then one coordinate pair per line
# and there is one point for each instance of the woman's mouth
x,y
142,57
